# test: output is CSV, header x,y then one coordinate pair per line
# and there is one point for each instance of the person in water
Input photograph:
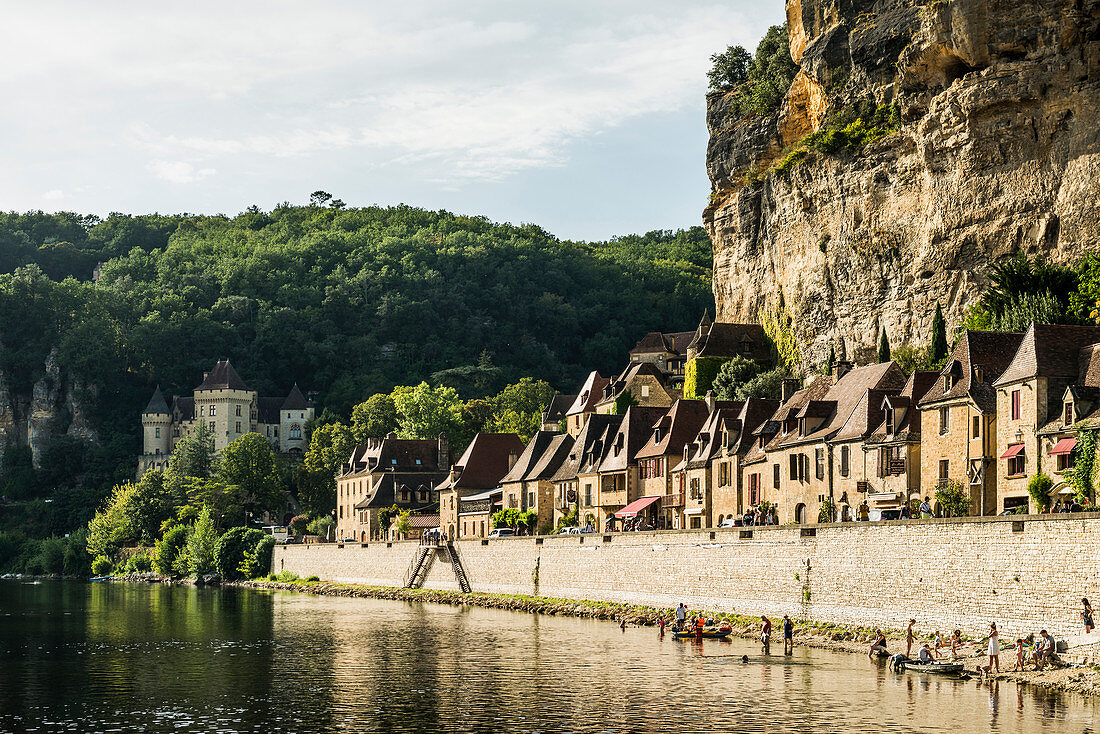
x,y
994,648
788,635
910,638
700,624
765,631
956,641
681,616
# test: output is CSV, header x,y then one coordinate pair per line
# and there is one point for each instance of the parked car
x,y
501,533
731,522
891,514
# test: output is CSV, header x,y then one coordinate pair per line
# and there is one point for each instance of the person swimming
x,y
744,658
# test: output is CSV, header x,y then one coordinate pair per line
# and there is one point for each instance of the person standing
x,y
994,648
926,509
956,640
1086,615
1019,655
681,616
910,637
788,635
765,632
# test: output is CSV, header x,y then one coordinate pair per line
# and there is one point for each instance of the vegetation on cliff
x,y
759,81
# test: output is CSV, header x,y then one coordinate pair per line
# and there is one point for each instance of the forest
x,y
347,302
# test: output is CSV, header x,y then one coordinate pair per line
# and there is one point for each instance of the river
x,y
148,658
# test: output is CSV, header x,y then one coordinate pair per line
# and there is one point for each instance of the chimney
x,y
512,456
443,457
709,400
842,368
788,388
979,373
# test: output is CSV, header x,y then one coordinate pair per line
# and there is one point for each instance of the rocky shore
x,y
1081,679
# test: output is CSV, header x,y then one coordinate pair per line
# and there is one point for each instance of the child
x,y
956,640
939,642
1019,654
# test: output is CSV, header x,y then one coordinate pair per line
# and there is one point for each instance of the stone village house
x,y
471,492
527,484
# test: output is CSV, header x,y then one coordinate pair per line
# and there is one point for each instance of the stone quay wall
x,y
1024,572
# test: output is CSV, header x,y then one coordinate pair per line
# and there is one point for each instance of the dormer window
x,y
889,423
948,381
1067,418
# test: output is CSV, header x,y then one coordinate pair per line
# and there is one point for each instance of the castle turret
x,y
156,428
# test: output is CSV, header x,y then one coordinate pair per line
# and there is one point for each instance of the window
x,y
588,494
819,462
295,431
794,467
157,433
213,410
202,411
724,474
889,421
418,462
238,411
946,383
945,469
341,512
977,427
645,391
1016,465
945,420
275,431
754,488
803,467
1065,461
775,475
696,522
1015,405
844,458
238,426
1068,419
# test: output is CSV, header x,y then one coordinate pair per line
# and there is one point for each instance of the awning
x,y
1064,446
636,506
1013,451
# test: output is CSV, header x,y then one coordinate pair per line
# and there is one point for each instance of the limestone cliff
x,y
998,151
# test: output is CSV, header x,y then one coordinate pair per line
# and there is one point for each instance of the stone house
x,y
556,414
959,418
418,525
1030,397
891,454
1079,411
583,459
231,409
666,352
649,387
584,405
814,417
527,484
385,472
471,492
664,447
617,481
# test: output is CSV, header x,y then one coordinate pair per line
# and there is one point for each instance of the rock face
x,y
998,152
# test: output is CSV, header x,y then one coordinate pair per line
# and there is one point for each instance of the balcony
x,y
676,499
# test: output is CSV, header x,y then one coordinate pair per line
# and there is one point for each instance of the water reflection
x,y
138,658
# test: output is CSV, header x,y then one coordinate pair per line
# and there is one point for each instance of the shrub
x,y
312,578
953,499
321,526
230,549
139,563
298,525
201,542
168,551
1039,488
101,566
257,560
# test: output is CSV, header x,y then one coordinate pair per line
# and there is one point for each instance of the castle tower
x,y
293,415
156,430
225,403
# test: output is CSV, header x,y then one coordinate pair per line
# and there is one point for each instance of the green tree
x,y
518,408
230,550
883,347
732,375
767,385
729,68
425,412
401,524
330,446
375,418
767,77
200,543
953,499
938,347
194,454
169,549
249,469
1039,487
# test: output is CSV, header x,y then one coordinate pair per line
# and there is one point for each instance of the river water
x,y
137,658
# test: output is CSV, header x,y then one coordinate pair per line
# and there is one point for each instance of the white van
x,y
279,532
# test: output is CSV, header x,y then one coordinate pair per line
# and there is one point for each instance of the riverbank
x,y
1081,679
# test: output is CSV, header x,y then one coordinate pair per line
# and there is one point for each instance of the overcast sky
x,y
584,117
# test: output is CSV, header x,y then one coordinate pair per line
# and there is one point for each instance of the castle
x,y
231,409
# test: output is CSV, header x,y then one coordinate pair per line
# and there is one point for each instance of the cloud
x,y
178,171
54,195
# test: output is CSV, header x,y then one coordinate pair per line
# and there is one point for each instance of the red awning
x,y
636,506
1064,446
1013,450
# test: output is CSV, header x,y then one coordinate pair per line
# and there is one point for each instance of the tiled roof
x,y
730,340
423,522
633,431
1049,350
392,454
485,461
558,408
590,394
185,407
909,427
157,404
596,425
295,400
706,441
615,387
552,458
990,350
223,376
531,455
846,393
867,414
267,409
678,426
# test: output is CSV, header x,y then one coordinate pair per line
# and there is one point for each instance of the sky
x,y
586,118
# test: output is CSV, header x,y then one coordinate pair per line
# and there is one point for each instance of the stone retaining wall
x,y
1023,572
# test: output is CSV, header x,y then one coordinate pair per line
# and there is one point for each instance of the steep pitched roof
x,y
585,444
295,400
484,462
222,377
992,351
657,343
846,393
731,340
590,394
867,414
267,409
908,428
185,407
631,435
1049,350
531,455
675,428
157,404
558,408
705,443
615,387
552,458
392,454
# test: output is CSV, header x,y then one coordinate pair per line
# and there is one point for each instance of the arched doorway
x,y
800,514
450,532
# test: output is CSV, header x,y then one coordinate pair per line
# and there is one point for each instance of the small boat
x,y
100,578
707,633
934,668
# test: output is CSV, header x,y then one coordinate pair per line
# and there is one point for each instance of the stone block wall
x,y
1022,572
